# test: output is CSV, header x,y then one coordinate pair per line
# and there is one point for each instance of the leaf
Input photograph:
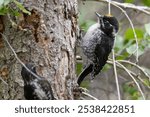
x,y
131,49
21,7
147,82
4,10
147,28
130,35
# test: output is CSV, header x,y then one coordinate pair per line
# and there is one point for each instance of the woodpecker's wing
x,y
38,90
29,92
46,87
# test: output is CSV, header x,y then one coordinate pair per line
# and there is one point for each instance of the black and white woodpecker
x,y
97,44
35,86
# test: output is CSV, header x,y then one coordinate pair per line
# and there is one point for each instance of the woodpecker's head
x,y
26,75
108,24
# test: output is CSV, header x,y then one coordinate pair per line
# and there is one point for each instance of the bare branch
x,y
137,66
131,75
134,74
143,9
89,95
116,76
132,78
132,26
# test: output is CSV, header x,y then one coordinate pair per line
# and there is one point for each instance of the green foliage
x,y
5,7
130,35
78,68
21,7
129,1
126,46
146,2
147,82
131,90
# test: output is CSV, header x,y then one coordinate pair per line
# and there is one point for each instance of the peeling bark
x,y
47,38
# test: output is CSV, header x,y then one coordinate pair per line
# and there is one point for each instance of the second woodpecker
x,y
97,44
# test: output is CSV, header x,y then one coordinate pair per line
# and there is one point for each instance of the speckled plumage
x,y
35,88
97,45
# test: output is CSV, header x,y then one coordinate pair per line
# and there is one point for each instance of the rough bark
x,y
47,38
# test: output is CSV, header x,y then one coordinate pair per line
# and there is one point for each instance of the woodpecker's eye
x,y
107,24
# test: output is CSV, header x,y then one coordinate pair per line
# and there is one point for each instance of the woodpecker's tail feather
x,y
84,73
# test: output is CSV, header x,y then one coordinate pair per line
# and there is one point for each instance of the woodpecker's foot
x,y
77,91
83,89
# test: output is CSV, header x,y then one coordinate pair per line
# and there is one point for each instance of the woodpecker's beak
x,y
98,15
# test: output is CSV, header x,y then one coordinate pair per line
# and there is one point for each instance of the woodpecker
x,y
97,44
35,86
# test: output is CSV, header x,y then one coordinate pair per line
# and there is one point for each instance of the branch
x,y
134,74
89,95
143,9
116,76
132,26
132,78
131,75
137,66
3,81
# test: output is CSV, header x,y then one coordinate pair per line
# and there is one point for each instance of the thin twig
x,y
116,76
132,26
109,7
89,95
131,75
3,81
143,9
5,39
137,66
134,74
132,78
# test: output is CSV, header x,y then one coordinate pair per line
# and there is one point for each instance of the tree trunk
x,y
47,38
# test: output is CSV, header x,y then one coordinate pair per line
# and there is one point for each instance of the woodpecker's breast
x,y
91,39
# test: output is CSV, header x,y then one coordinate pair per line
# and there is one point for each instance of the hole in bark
x,y
45,38
55,10
52,40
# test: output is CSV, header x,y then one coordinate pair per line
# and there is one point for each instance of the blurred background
x,y
104,84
